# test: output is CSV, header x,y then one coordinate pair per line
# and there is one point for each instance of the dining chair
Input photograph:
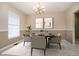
x,y
26,38
38,42
55,40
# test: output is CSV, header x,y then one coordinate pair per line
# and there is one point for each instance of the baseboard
x,y
9,46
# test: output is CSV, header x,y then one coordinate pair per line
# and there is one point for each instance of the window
x,y
44,22
13,25
48,22
39,22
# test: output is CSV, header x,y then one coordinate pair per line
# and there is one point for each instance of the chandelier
x,y
39,9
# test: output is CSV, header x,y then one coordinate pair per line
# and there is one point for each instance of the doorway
x,y
77,27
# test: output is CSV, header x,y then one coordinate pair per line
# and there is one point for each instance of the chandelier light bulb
x,y
34,8
42,6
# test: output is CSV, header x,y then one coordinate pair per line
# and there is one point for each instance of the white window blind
x,y
13,25
39,22
44,22
48,23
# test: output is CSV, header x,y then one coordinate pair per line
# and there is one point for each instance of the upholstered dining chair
x,y
55,40
38,42
26,38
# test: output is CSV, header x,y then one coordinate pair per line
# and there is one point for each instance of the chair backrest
x,y
56,39
59,34
26,38
38,42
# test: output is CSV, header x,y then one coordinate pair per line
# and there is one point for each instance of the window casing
x,y
13,25
48,23
44,23
39,23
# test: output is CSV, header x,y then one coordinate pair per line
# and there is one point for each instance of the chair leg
x,y
48,45
31,51
60,45
44,52
24,43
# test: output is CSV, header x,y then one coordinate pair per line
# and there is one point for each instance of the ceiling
x,y
27,7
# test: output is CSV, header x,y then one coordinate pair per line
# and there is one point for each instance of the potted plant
x,y
41,32
28,28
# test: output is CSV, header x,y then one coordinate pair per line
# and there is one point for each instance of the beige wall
x,y
70,15
59,20
3,17
4,8
70,20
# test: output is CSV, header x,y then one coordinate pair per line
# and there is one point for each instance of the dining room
x,y
37,28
